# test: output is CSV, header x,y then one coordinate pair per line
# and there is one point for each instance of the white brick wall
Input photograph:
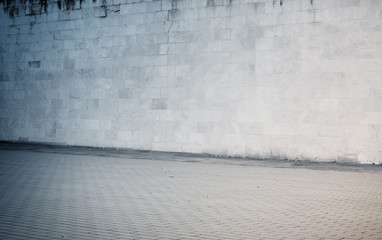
x,y
250,78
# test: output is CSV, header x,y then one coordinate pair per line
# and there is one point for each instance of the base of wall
x,y
178,156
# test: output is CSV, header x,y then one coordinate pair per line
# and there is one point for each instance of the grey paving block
x,y
79,193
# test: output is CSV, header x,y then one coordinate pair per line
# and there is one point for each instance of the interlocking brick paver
x,y
78,193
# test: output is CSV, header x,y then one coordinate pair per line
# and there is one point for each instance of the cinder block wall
x,y
296,79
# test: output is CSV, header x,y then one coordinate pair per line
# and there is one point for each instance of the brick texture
x,y
295,79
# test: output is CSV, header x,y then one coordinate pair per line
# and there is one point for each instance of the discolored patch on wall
x,y
34,64
159,104
34,7
69,64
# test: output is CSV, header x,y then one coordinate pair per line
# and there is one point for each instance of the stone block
x,y
100,12
348,3
371,118
126,93
159,104
69,64
168,5
141,7
160,16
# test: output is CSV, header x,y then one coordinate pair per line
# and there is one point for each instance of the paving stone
x,y
80,193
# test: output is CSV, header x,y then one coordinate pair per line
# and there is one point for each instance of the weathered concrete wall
x,y
265,78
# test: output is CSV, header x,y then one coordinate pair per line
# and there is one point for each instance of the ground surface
x,y
78,193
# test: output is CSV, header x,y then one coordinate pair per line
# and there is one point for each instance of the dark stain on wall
x,y
68,4
34,7
280,1
34,64
173,4
210,3
31,24
14,7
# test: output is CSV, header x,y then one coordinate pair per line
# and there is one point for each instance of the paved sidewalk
x,y
79,193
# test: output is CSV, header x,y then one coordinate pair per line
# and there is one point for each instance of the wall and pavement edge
x,y
296,79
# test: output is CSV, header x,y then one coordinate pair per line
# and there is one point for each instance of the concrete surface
x,y
267,78
80,193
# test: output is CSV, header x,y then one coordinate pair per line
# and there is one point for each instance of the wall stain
x,y
104,6
174,4
34,7
68,4
210,3
280,2
31,24
16,7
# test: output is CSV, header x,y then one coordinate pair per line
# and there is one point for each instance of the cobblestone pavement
x,y
79,193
